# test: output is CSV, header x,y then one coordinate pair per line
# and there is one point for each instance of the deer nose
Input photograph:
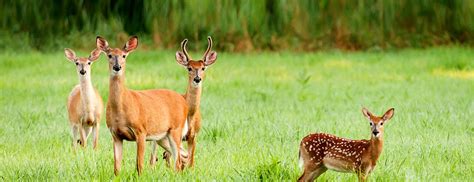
x,y
375,132
117,67
197,79
82,72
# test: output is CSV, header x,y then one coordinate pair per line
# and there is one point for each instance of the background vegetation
x,y
239,25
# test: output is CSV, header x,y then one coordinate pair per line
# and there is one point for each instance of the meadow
x,y
256,108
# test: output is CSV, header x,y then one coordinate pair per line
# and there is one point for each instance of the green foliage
x,y
256,108
240,25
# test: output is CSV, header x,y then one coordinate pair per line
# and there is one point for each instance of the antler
x,y
183,47
209,46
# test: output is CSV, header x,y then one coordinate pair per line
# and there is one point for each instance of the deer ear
x,y
94,55
211,58
102,44
366,112
70,54
131,44
181,58
389,114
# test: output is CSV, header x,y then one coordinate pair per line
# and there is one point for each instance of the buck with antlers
x,y
156,115
320,152
196,72
84,103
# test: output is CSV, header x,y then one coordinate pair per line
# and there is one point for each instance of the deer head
x,y
117,56
196,68
377,123
83,65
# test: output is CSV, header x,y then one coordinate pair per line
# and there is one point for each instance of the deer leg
x,y
312,172
95,135
362,175
165,144
75,135
82,132
141,142
153,153
175,143
167,153
118,144
191,147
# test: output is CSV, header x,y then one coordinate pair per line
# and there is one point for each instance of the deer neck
x,y
193,97
87,93
376,146
117,91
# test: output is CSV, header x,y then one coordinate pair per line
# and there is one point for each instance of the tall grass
x,y
240,25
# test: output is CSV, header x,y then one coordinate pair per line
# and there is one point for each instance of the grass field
x,y
256,108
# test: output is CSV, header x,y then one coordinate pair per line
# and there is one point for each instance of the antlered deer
x,y
156,115
84,103
196,69
320,152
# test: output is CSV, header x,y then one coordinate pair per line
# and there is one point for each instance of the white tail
x,y
157,115
321,151
84,102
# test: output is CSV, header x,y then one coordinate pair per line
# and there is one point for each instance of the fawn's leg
x,y
362,176
311,172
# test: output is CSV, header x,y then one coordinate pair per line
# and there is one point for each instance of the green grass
x,y
256,108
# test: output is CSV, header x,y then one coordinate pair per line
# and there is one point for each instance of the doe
x,y
84,103
320,152
140,115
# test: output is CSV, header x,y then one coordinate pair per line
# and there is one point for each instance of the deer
x,y
320,151
84,103
196,73
145,115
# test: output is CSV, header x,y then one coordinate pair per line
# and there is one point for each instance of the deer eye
x,y
123,56
77,63
203,68
370,123
381,124
189,69
110,56
89,63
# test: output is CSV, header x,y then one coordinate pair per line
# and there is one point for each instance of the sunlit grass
x,y
459,74
256,107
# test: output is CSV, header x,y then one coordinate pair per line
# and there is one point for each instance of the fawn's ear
x,y
131,44
210,58
181,58
102,44
94,54
70,54
366,113
389,114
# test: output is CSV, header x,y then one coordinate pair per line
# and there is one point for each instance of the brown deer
x,y
154,115
84,103
320,152
196,72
